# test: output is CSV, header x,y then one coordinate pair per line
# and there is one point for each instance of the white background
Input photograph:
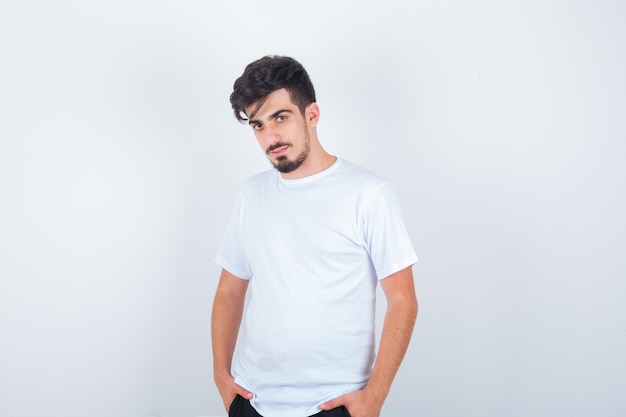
x,y
501,125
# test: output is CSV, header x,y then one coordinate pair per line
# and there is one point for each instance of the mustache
x,y
276,146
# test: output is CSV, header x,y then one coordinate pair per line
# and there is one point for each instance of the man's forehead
x,y
270,103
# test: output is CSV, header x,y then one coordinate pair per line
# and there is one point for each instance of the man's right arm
x,y
225,321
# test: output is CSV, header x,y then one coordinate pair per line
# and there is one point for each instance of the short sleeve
x,y
385,234
231,254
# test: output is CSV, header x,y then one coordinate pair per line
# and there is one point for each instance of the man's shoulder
x,y
360,176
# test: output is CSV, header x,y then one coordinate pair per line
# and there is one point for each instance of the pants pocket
x,y
234,409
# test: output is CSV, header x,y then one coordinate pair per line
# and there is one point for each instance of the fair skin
x,y
225,321
285,134
279,121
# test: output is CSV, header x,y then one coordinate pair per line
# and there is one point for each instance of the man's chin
x,y
285,166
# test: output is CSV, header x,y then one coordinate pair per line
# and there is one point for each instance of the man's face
x,y
281,130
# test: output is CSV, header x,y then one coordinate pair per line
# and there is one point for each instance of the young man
x,y
310,240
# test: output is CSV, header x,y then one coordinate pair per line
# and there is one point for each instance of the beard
x,y
286,165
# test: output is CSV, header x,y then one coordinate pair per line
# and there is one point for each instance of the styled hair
x,y
266,75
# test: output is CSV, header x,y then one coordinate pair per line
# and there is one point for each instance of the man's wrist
x,y
221,373
376,392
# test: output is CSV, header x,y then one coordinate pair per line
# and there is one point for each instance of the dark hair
x,y
266,75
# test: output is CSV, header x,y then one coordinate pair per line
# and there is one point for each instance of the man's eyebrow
x,y
277,112
271,116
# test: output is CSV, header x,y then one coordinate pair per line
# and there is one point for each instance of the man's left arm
x,y
396,333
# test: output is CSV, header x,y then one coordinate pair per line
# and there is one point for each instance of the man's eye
x,y
281,118
257,126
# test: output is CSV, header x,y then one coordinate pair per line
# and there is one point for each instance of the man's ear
x,y
313,114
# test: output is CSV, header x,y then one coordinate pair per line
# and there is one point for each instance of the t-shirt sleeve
x,y
386,237
231,254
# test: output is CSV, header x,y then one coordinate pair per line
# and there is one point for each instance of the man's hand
x,y
229,390
359,404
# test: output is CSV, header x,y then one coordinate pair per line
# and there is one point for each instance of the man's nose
x,y
270,136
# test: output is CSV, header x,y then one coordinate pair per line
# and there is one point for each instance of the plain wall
x,y
501,126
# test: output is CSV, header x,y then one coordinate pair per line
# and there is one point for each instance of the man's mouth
x,y
278,151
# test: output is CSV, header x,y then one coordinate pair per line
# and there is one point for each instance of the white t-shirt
x,y
313,249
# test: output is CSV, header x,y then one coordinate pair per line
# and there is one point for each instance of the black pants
x,y
242,408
